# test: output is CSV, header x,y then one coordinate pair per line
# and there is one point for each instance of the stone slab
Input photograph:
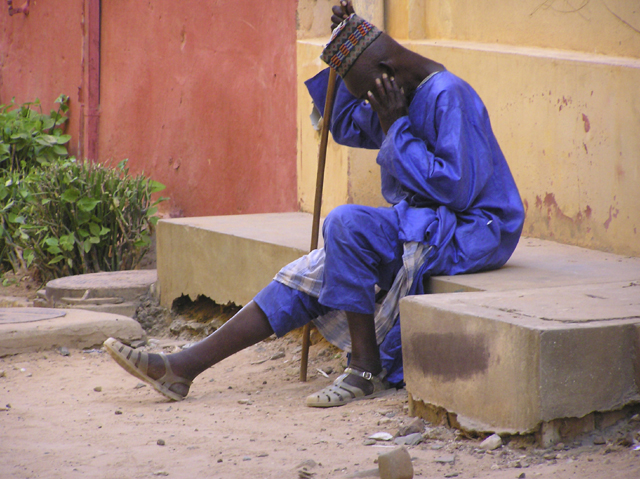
x,y
227,258
123,285
509,361
544,264
73,329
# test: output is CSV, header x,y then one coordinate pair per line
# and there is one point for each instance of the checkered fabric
x,y
348,41
305,274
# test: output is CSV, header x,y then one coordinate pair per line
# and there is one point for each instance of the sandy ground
x,y
82,416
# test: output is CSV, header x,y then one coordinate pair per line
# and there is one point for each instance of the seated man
x,y
455,209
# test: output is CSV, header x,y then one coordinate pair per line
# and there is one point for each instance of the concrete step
x,y
227,258
553,334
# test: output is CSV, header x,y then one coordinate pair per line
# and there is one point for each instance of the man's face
x,y
361,78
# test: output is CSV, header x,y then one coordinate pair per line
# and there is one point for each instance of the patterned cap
x,y
348,41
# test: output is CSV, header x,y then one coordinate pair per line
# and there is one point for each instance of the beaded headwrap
x,y
348,41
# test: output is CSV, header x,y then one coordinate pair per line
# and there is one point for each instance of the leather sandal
x,y
339,393
136,363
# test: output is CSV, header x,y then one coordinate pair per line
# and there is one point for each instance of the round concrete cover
x,y
27,315
116,279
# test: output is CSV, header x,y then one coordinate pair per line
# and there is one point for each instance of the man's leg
x,y
249,326
362,250
276,309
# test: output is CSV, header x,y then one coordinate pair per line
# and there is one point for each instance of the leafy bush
x,y
30,138
62,217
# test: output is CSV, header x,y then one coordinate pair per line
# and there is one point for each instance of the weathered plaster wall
x,y
199,95
561,87
41,56
202,94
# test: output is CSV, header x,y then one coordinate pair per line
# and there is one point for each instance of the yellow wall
x,y
563,92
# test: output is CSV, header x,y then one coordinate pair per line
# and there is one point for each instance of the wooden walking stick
x,y
317,204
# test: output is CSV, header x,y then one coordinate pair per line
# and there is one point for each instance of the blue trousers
x,y
362,250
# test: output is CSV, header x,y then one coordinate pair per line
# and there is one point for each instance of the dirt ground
x,y
81,415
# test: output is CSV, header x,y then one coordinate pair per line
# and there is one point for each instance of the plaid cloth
x,y
306,273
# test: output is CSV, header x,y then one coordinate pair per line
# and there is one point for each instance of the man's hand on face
x,y
340,12
388,101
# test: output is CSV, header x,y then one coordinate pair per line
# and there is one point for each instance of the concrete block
x,y
509,361
395,464
227,258
71,328
544,264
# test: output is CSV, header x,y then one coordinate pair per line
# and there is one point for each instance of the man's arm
x,y
455,168
354,123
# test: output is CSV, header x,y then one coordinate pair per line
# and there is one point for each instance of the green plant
x,y
70,217
29,137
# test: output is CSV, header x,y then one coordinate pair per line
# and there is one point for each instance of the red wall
x,y
200,95
41,56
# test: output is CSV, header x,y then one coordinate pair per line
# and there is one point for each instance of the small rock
x,y
451,474
415,426
219,460
140,385
246,458
635,418
161,473
515,464
64,351
138,344
278,355
308,464
381,436
446,459
118,412
437,447
409,440
494,467
599,440
369,442
248,402
395,464
522,476
98,389
3,374
550,456
160,442
492,442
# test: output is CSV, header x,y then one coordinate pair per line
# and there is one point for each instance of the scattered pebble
x,y
369,442
446,459
219,460
118,412
64,351
522,476
451,474
409,440
492,442
161,473
98,389
246,458
160,442
381,436
550,456
140,385
248,402
415,426
3,374
278,355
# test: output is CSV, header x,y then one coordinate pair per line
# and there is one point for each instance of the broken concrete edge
x,y
545,433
